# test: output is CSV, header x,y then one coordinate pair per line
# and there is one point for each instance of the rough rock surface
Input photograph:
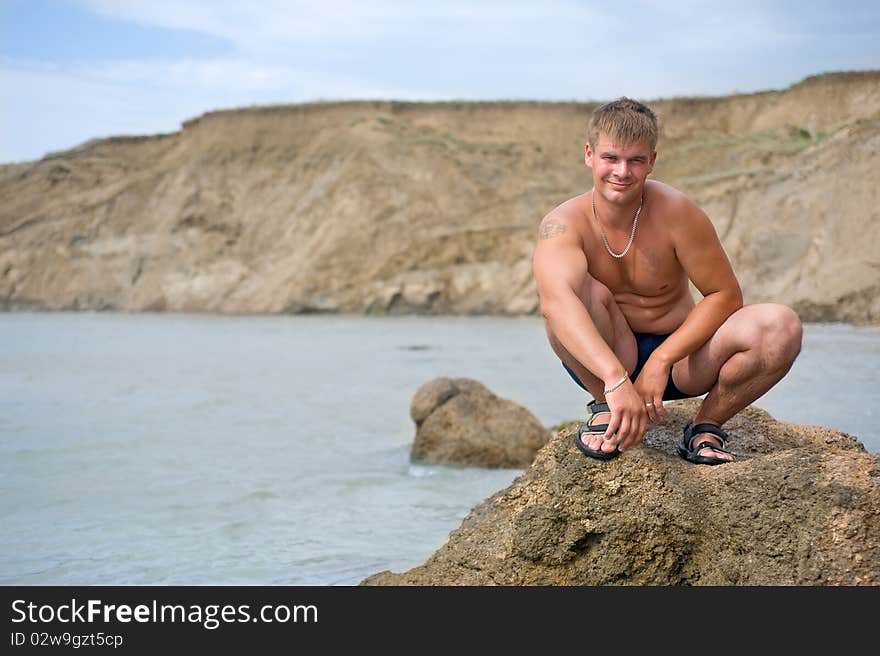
x,y
801,506
460,422
389,207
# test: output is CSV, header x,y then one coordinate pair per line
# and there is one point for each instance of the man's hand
x,y
650,386
629,419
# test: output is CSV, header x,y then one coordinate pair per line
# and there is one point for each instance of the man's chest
x,y
646,269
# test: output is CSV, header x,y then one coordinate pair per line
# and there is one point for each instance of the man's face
x,y
619,172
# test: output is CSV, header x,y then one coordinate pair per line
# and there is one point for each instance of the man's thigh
x,y
697,373
609,321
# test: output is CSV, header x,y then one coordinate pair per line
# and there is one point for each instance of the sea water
x,y
195,450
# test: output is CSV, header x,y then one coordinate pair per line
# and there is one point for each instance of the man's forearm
x,y
702,322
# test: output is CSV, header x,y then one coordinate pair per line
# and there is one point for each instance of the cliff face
x,y
403,207
800,506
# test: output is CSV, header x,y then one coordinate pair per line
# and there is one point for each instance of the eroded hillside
x,y
433,207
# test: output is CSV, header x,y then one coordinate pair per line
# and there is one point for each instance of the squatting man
x,y
612,267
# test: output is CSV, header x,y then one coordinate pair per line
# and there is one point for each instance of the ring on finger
x,y
649,404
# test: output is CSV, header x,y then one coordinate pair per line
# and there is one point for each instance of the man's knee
x,y
781,332
598,296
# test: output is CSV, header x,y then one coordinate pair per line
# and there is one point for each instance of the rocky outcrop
x,y
460,422
388,207
800,506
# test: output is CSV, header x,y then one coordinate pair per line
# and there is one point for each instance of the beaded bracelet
x,y
619,382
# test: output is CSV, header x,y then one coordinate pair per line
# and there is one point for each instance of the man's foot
x,y
705,444
716,450
589,437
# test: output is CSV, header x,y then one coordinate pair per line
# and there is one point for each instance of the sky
x,y
74,70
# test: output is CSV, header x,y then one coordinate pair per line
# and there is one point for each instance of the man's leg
x,y
748,355
612,326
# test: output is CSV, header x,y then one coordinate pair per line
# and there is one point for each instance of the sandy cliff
x,y
411,207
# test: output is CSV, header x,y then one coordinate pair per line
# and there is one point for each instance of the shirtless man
x,y
612,268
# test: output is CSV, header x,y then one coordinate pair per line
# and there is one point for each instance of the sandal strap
x,y
595,407
597,429
709,445
690,430
590,431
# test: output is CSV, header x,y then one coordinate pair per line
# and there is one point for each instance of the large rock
x,y
459,421
801,506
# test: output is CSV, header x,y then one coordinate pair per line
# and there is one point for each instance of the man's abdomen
x,y
654,314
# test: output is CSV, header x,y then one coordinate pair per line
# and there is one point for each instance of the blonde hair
x,y
625,121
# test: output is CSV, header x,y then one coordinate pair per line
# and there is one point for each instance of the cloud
x,y
281,25
197,74
275,26
46,108
284,51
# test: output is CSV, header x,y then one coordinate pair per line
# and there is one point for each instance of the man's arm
x,y
561,268
703,259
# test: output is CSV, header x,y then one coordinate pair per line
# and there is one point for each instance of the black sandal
x,y
596,429
692,454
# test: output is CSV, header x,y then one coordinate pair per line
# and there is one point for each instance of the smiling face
x,y
619,171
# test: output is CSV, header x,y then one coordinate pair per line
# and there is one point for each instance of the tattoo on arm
x,y
553,228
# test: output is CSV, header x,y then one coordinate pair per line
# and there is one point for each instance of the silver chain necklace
x,y
632,235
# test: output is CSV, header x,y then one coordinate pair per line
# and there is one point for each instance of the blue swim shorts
x,y
646,343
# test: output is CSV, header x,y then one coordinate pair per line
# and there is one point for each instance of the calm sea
x,y
190,450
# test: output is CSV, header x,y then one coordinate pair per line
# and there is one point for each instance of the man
x,y
612,268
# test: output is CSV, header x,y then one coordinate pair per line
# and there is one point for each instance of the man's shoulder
x,y
672,204
566,218
569,210
668,194
563,225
